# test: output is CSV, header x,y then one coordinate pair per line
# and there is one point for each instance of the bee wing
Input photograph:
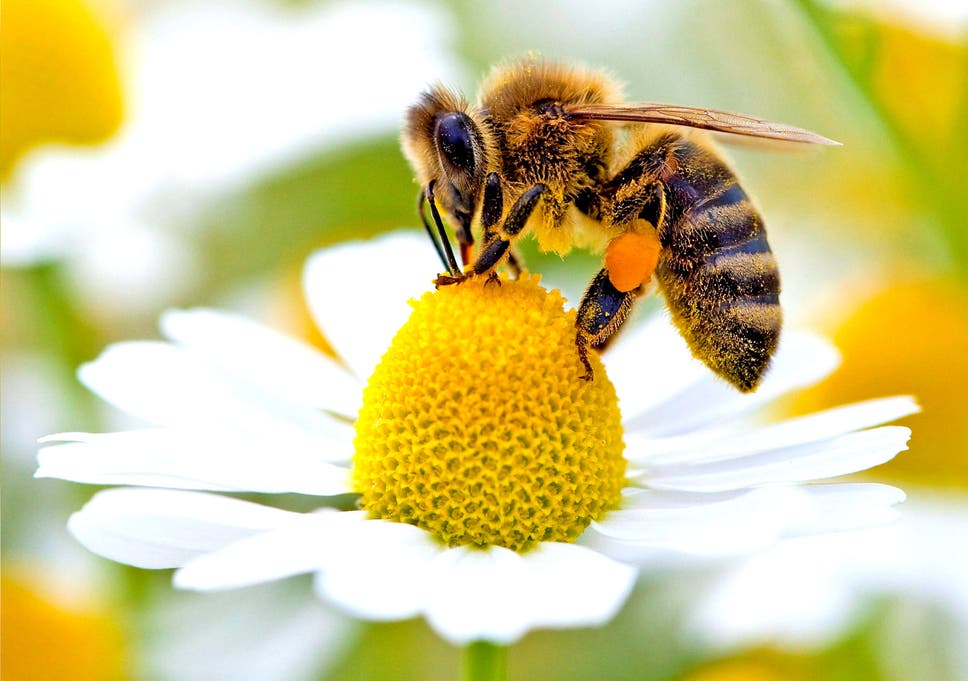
x,y
698,117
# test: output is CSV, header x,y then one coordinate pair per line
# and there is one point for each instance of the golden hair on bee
x,y
552,149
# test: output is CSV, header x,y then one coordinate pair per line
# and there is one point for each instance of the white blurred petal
x,y
189,459
152,528
789,594
275,81
740,469
284,367
800,360
807,590
358,292
274,632
166,385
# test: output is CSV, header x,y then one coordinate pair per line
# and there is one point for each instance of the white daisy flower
x,y
198,78
806,594
498,492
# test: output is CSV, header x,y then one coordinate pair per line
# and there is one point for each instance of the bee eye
x,y
454,143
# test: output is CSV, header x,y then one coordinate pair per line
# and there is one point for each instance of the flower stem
x,y
485,661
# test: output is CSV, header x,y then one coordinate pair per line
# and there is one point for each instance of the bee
x,y
553,150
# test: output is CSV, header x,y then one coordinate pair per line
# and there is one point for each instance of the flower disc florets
x,y
477,427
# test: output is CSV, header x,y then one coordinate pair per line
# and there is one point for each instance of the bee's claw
x,y
492,278
449,279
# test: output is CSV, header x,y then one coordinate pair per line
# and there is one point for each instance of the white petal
x,y
152,528
829,458
480,594
285,367
190,459
358,292
800,360
726,525
273,632
297,547
574,586
788,595
498,595
659,499
848,506
807,591
379,570
167,385
712,444
649,364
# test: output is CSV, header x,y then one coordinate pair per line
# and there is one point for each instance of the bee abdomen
x,y
723,286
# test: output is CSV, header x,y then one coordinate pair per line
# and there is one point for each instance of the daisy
x,y
197,78
498,492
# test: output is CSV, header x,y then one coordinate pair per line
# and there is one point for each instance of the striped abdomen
x,y
716,270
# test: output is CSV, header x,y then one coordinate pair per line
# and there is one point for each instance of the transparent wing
x,y
698,117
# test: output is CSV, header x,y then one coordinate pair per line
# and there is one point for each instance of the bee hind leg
x,y
602,312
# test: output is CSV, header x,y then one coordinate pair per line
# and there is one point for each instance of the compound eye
x,y
454,142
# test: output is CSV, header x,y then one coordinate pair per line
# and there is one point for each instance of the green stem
x,y
58,328
484,661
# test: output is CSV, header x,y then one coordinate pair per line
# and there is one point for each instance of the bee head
x,y
447,144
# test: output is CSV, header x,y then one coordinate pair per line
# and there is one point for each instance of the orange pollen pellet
x,y
630,259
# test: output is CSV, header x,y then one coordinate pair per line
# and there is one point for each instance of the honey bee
x,y
552,150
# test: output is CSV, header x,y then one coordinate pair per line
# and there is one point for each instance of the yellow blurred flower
x,y
913,71
759,666
60,76
46,638
911,338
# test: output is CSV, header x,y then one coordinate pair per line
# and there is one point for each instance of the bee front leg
x,y
602,312
499,244
451,263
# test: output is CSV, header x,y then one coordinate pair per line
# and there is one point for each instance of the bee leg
x,y
493,203
452,265
495,250
491,208
514,263
602,312
522,209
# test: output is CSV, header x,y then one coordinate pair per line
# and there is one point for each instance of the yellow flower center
x,y
477,427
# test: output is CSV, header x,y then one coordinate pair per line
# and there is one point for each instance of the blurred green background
x,y
159,153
